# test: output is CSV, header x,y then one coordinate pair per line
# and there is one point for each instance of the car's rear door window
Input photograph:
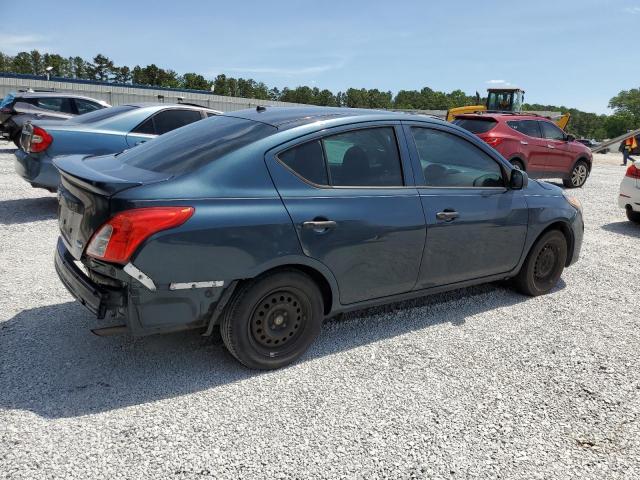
x,y
364,158
451,161
307,160
550,131
55,104
526,127
358,158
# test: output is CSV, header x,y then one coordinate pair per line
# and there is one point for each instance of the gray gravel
x,y
477,383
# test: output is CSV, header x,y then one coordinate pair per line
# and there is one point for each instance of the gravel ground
x,y
477,383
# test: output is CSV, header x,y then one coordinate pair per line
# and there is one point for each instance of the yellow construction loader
x,y
503,99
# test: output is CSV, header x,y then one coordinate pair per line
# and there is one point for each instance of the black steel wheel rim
x,y
546,264
279,319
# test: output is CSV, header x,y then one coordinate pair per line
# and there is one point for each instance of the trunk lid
x,y
84,195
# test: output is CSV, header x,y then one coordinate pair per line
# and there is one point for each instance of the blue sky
x,y
572,52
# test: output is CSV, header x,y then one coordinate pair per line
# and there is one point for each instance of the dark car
x,y
534,144
265,222
590,144
16,109
97,133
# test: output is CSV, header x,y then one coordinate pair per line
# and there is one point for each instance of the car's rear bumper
x,y
144,311
38,171
629,194
98,299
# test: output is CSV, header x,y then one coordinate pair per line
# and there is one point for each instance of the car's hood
x,y
540,187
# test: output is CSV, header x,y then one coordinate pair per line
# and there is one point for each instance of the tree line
x,y
626,104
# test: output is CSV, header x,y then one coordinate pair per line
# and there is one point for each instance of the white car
x,y
629,197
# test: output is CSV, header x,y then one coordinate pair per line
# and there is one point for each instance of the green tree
x,y
121,74
6,62
220,85
101,68
37,67
22,63
627,102
194,81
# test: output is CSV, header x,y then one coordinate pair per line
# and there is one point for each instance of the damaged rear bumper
x,y
97,298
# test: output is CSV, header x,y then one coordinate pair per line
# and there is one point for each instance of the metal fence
x,y
117,94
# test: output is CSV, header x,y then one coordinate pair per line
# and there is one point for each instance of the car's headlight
x,y
573,201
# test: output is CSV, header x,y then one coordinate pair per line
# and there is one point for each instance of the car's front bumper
x,y
38,171
577,228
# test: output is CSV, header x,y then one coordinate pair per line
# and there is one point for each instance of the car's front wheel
x,y
272,320
579,175
544,264
517,164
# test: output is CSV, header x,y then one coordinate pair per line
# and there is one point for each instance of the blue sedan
x,y
101,132
264,222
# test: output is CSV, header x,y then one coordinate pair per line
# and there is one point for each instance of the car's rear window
x,y
475,125
193,146
103,114
6,100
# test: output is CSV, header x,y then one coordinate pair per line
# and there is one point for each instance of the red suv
x,y
532,143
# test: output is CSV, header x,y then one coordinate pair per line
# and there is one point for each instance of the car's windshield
x,y
7,100
191,147
103,114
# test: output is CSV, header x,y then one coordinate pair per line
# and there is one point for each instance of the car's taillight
x,y
6,110
633,172
120,236
40,140
493,141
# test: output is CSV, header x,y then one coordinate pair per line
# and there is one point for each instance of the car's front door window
x,y
447,160
551,132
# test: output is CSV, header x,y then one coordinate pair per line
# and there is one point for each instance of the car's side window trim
x,y
403,155
420,180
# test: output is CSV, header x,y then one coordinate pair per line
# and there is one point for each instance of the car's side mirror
x,y
518,179
570,138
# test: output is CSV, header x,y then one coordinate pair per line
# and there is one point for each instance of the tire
x,y
518,164
632,216
579,175
271,321
544,265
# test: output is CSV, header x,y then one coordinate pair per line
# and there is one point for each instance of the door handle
x,y
524,143
551,147
447,215
319,225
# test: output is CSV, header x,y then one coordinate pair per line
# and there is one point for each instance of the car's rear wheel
x,y
632,215
544,264
578,176
272,320
518,164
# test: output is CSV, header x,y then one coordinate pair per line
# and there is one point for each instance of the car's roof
x,y
52,94
503,116
288,117
169,105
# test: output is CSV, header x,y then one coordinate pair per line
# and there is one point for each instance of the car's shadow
x,y
26,210
623,228
52,365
